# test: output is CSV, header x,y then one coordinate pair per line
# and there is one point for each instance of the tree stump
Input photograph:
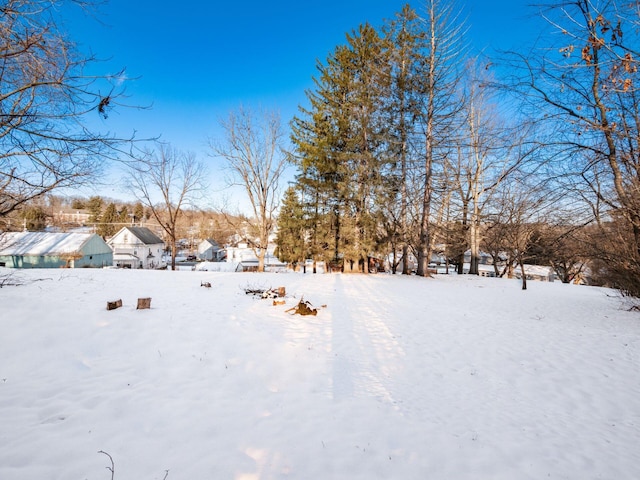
x,y
114,305
303,308
144,303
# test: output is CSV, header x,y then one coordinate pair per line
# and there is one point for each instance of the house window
x,y
126,238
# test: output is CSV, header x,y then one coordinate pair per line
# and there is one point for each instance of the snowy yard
x,y
448,378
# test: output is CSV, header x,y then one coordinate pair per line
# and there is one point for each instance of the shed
x,y
209,250
53,250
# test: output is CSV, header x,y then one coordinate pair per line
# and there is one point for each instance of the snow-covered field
x,y
396,378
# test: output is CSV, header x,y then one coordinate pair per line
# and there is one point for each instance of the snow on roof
x,y
211,242
42,243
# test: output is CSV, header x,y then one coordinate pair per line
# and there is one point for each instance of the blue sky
x,y
194,62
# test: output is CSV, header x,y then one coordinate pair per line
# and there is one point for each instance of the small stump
x,y
144,303
114,305
303,308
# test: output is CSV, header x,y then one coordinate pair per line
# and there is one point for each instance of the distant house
x,y
245,259
532,272
271,264
210,251
53,250
240,253
483,258
137,247
536,272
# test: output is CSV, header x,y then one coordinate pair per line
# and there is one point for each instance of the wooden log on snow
x,y
115,304
144,303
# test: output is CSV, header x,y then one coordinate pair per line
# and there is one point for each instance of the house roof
x,y
211,242
145,235
42,243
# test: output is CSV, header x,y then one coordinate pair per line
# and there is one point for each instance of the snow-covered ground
x,y
395,378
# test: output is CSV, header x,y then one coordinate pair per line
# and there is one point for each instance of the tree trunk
x,y
403,207
174,252
474,245
524,277
423,239
405,260
423,262
495,259
336,236
394,254
465,230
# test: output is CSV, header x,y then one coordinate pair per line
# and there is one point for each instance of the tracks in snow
x,y
366,355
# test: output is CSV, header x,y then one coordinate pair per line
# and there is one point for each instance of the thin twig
x,y
112,468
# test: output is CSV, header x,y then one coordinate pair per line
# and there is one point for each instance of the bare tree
x,y
519,206
45,98
252,146
165,181
443,52
583,88
563,247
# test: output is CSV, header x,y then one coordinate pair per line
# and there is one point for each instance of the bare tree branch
x,y
45,98
166,180
253,150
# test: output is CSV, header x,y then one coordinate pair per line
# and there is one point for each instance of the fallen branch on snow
x,y
13,280
112,468
266,293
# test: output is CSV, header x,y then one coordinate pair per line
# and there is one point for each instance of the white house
x,y
137,247
240,253
210,251
536,272
245,259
